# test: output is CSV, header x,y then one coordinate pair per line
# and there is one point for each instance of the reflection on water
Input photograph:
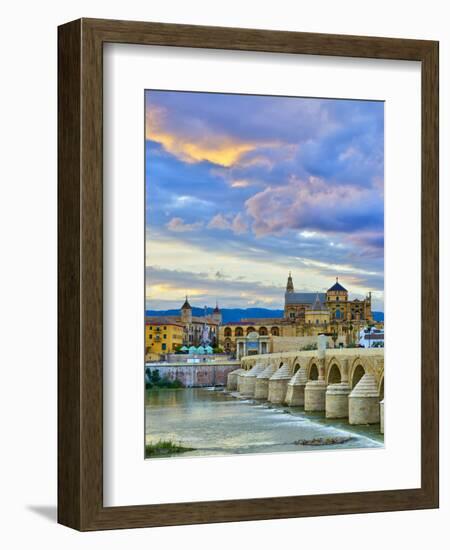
x,y
215,423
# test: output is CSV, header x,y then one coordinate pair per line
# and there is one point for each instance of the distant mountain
x,y
228,315
233,315
378,316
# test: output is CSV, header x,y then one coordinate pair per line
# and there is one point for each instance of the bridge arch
x,y
312,370
296,364
334,371
381,387
358,370
334,374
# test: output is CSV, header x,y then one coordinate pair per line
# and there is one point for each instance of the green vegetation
x,y
309,347
164,448
155,381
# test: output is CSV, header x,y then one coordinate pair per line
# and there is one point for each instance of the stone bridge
x,y
344,383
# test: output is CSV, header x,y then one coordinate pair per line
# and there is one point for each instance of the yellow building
x,y
162,336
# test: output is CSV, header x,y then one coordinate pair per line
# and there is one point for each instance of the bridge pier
x,y
232,379
278,384
336,400
249,380
262,382
240,379
295,395
315,389
364,402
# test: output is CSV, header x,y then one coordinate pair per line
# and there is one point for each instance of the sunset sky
x,y
240,190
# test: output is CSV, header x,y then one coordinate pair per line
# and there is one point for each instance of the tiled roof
x,y
159,322
292,298
263,320
186,304
337,287
209,321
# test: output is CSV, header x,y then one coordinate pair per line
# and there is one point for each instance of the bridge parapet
x,y
338,365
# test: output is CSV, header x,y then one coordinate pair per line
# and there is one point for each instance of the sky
x,y
242,189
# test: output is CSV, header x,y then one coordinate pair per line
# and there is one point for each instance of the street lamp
x,y
334,333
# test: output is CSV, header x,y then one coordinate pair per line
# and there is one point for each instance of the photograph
x,y
264,283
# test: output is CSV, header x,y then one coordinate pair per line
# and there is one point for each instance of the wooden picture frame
x,y
80,271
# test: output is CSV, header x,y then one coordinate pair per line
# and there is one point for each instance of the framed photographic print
x,y
248,274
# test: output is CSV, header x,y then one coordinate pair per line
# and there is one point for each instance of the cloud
x,y
203,288
239,225
219,222
241,179
220,149
178,225
314,205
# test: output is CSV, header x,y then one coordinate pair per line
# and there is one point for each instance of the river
x,y
214,422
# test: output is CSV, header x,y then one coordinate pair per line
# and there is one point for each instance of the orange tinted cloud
x,y
218,149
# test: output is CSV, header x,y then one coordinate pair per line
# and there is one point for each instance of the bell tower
x,y
217,315
186,312
290,284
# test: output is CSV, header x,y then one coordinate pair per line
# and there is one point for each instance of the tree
x,y
334,334
155,377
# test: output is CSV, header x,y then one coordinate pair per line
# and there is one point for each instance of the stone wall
x,y
196,375
295,343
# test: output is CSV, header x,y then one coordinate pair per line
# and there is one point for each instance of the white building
x,y
371,337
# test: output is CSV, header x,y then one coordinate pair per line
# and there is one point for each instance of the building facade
x,y
306,314
335,302
196,330
162,336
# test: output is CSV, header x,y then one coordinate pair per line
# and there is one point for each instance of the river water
x,y
216,423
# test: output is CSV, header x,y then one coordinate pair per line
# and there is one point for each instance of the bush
x,y
154,380
164,448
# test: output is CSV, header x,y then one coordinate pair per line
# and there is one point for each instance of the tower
x,y
217,315
337,301
186,312
290,284
337,293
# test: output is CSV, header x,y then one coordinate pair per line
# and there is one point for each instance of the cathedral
x,y
306,314
323,307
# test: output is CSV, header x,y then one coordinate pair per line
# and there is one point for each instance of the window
x,y
164,346
151,336
337,298
165,336
165,328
